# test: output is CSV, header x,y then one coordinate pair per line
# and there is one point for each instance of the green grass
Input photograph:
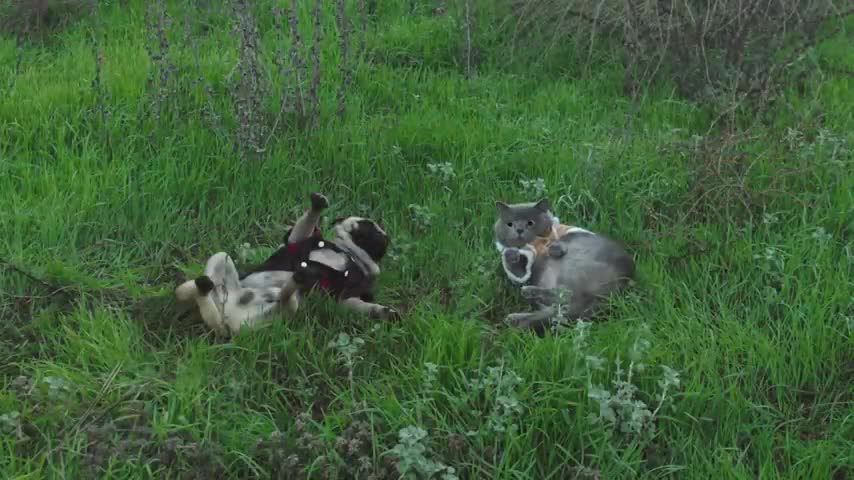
x,y
115,209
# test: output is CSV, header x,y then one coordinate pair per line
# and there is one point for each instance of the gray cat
x,y
547,257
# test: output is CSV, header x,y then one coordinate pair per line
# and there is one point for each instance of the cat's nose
x,y
520,231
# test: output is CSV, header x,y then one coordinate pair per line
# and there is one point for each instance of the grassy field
x,y
737,338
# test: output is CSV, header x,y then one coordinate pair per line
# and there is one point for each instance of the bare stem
x,y
315,58
346,70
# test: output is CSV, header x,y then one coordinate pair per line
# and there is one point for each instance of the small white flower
x,y
821,235
670,377
769,218
445,170
536,186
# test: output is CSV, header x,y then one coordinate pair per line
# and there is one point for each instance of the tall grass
x,y
732,358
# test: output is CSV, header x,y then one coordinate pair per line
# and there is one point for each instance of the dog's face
x,y
363,233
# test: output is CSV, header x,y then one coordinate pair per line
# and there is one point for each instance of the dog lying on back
x,y
344,266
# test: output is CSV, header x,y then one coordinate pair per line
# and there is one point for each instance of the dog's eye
x,y
510,224
530,223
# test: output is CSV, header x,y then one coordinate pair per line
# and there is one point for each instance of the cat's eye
x,y
510,224
530,223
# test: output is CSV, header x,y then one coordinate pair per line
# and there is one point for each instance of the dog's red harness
x,y
296,247
353,281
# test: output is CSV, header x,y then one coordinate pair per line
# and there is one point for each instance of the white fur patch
x,y
578,230
275,278
329,258
187,291
529,267
349,223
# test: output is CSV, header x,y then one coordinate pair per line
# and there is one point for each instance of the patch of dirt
x,y
843,473
138,443
18,339
446,295
41,18
349,455
164,314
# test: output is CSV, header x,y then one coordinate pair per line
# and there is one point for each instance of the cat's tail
x,y
199,290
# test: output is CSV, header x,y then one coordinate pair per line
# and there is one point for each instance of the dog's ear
x,y
368,236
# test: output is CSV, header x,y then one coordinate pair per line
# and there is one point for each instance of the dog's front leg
x,y
304,227
373,310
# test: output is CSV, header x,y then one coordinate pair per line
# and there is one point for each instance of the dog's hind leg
x,y
221,270
201,290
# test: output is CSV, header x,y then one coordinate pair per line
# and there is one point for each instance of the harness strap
x,y
351,282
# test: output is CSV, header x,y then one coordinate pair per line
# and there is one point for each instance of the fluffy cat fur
x,y
525,232
589,266
345,266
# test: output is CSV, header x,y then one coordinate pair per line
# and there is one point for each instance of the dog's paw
x,y
319,201
385,313
204,284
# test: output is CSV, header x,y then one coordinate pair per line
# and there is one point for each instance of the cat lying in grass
x,y
547,257
344,266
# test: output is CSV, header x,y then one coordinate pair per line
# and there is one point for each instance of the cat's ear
x,y
502,207
542,205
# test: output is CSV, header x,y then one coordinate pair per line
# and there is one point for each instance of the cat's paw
x,y
515,319
532,291
557,250
512,255
319,201
539,294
